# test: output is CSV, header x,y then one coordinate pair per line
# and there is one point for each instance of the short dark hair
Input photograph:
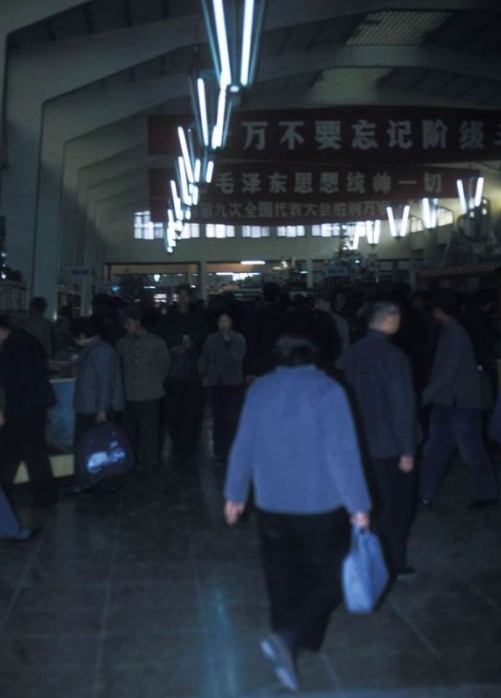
x,y
39,304
379,310
324,294
446,300
184,287
133,312
271,292
84,325
295,350
5,323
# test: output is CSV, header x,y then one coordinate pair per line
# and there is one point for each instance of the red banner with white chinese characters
x,y
310,184
365,135
275,213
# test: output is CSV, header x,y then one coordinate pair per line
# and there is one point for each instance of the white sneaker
x,y
275,649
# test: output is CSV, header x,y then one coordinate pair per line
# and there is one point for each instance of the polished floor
x,y
145,593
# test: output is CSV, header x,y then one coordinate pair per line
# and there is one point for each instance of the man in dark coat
x,y
24,377
381,377
455,393
263,331
185,331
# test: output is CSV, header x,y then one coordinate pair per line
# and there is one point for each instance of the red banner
x,y
275,213
310,184
365,135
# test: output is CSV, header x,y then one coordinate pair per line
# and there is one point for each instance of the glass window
x,y
291,231
326,230
219,231
255,231
190,231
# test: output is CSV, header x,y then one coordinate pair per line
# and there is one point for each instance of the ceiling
x,y
315,52
463,31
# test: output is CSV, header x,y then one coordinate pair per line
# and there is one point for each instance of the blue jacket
x,y
381,377
98,385
296,443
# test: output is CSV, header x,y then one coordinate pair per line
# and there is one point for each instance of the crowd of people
x,y
325,405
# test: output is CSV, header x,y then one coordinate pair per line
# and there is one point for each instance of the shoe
x,y
406,573
45,500
483,503
275,649
78,489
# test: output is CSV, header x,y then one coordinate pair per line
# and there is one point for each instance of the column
x,y
202,281
309,275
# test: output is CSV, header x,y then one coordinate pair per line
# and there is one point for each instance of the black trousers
x,y
23,439
302,557
226,406
185,409
142,424
394,509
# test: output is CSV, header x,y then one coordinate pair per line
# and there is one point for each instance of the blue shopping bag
x,y
364,574
103,452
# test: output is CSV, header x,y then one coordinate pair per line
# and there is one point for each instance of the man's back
x,y
455,379
381,377
41,329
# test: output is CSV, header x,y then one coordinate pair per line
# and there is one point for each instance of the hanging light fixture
x,y
429,212
170,232
373,232
471,195
234,28
398,226
212,105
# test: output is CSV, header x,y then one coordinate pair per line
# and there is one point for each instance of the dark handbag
x,y
364,574
103,452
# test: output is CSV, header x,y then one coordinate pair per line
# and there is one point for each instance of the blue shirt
x,y
296,443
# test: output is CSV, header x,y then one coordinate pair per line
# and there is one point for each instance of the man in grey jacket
x,y
221,365
145,362
455,393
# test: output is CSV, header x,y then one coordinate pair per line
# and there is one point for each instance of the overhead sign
x,y
314,183
79,272
362,134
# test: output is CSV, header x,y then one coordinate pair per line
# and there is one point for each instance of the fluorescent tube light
x,y
209,173
176,201
202,103
247,42
222,40
479,191
186,154
217,133
462,196
185,192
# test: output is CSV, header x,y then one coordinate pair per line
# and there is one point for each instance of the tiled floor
x,y
147,594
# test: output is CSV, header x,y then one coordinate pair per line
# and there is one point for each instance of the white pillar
x,y
203,281
309,275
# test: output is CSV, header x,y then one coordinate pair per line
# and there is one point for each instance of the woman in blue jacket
x,y
296,443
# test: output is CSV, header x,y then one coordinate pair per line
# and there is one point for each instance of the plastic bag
x,y
364,574
102,452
